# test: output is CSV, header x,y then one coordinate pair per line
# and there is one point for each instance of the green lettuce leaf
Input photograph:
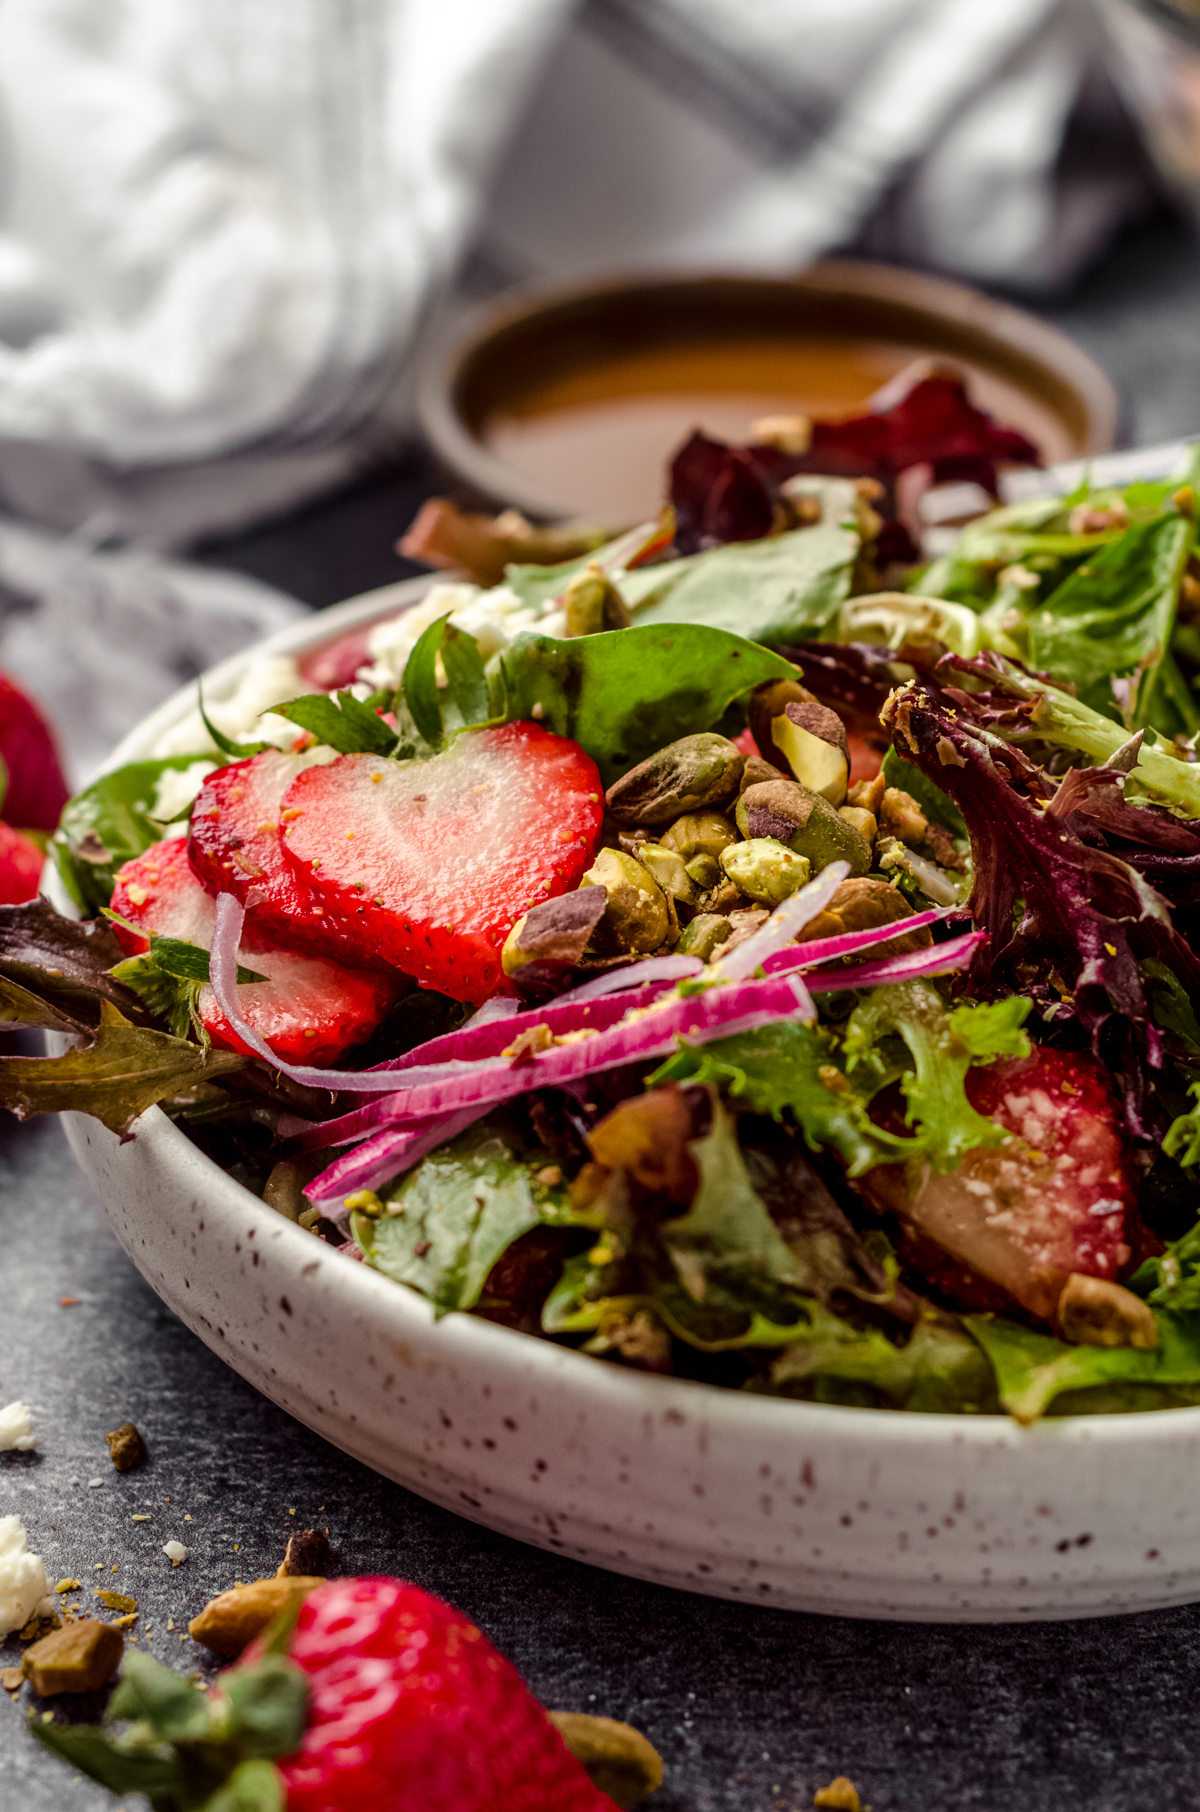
x,y
939,1370
122,1072
789,1068
109,823
445,1223
943,1046
1032,1370
623,694
727,1235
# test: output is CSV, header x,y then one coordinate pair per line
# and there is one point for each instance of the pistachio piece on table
x,y
126,1448
811,741
685,776
307,1556
229,1622
765,869
806,822
619,1759
636,918
1094,1312
668,869
80,1657
768,701
706,933
592,604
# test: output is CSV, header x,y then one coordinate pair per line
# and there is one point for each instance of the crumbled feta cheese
x,y
239,715
16,1428
493,617
24,1588
174,793
175,1552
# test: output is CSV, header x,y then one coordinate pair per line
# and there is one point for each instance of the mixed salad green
x,y
794,988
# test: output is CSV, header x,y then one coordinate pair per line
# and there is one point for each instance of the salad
x,y
734,949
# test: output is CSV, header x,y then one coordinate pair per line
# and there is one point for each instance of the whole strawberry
x,y
380,1699
412,1708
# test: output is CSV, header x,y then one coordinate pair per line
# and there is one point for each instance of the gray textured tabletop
x,y
752,1709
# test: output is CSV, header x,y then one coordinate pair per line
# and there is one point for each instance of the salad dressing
x,y
593,437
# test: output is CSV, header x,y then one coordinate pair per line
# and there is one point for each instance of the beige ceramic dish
x,y
853,1511
562,400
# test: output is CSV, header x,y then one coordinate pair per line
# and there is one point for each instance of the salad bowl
x,y
808,1506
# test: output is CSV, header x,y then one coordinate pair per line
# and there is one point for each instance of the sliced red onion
x,y
634,975
784,923
939,959
222,968
386,1155
718,1012
825,949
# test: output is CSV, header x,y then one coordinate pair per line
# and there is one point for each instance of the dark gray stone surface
x,y
753,1709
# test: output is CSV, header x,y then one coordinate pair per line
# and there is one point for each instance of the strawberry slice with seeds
x,y
1024,1215
427,865
309,1010
235,846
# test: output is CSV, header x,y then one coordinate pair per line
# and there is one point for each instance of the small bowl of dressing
x,y
569,402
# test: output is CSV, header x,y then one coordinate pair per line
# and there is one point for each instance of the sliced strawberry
x,y
1026,1214
235,846
428,864
21,864
309,1009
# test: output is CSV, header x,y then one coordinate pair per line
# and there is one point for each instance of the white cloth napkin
x,y
225,224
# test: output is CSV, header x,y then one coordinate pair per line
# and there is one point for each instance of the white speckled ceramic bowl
x,y
853,1511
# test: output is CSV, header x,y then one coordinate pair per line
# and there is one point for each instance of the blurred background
x,y
233,237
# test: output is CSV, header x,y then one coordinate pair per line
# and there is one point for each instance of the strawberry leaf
x,y
254,1786
346,724
124,1070
267,1705
95,1753
168,1704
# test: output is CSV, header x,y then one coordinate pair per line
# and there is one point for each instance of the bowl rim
x,y
467,333
470,1339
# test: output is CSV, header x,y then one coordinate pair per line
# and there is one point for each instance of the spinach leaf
x,y
233,751
347,724
1033,1369
623,694
447,1222
783,589
1114,615
109,823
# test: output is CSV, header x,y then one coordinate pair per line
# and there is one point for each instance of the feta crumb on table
x,y
24,1588
16,1429
176,1553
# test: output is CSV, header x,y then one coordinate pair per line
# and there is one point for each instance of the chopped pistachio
x,y
765,869
78,1658
619,1760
